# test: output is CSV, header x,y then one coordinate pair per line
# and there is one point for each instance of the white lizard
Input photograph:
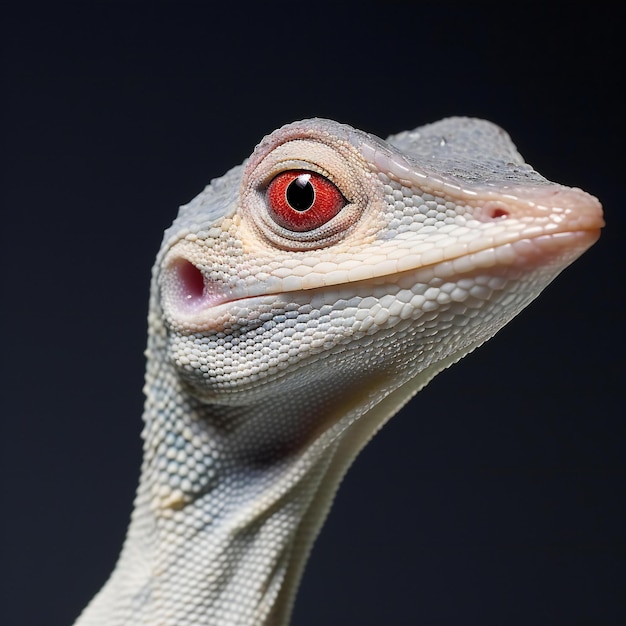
x,y
297,303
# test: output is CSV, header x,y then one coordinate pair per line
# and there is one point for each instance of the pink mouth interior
x,y
190,284
186,290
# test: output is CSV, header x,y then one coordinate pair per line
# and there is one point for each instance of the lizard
x,y
297,303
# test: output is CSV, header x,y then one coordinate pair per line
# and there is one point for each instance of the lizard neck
x,y
243,507
247,500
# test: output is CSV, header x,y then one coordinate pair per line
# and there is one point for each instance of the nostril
x,y
493,210
498,213
191,281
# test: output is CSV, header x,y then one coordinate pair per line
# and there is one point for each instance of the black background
x,y
496,496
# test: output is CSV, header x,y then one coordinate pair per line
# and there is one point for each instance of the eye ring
x,y
303,200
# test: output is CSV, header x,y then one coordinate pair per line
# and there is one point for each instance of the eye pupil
x,y
300,193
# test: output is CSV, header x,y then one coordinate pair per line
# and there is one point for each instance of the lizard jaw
x,y
193,302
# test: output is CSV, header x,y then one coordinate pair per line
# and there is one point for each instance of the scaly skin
x,y
280,340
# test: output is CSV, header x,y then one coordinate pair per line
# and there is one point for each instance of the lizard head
x,y
328,241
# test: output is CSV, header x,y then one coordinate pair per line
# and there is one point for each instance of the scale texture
x,y
297,303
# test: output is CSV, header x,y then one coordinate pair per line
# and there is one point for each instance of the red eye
x,y
299,200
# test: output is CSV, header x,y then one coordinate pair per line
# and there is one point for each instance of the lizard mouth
x,y
194,302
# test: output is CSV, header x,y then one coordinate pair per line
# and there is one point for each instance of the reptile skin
x,y
297,303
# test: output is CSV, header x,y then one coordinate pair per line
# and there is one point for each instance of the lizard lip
x,y
194,301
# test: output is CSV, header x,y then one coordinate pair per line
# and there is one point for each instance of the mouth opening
x,y
185,290
183,287
191,282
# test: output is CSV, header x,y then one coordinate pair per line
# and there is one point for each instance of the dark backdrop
x,y
496,496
